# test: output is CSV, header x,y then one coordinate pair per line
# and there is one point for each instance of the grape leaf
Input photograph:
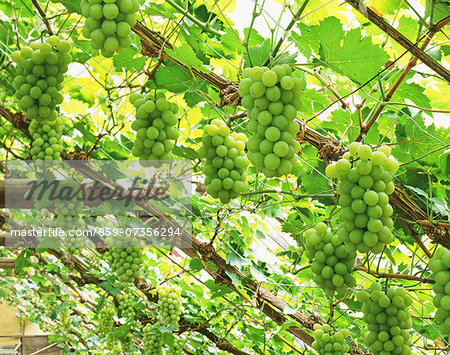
x,y
258,54
347,52
186,55
126,60
412,92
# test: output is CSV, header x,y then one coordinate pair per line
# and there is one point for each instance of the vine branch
x,y
44,17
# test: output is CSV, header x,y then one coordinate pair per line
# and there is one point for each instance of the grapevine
x,y
388,320
272,98
332,260
226,161
170,303
155,126
440,266
108,24
327,342
40,73
364,188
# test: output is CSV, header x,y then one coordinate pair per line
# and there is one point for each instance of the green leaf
x,y
23,260
72,5
185,152
186,55
196,264
412,92
315,182
258,54
385,7
349,53
126,60
109,288
441,9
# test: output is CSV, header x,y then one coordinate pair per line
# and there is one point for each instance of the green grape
x,y
225,161
155,127
440,267
329,342
272,98
169,303
177,347
108,24
106,319
332,260
388,319
126,305
153,340
365,181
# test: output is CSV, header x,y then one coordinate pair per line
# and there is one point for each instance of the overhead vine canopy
x,y
319,137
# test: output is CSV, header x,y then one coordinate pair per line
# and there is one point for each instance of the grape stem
x,y
324,81
395,276
44,18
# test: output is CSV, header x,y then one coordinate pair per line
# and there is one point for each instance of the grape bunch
x,y
126,343
272,98
40,73
364,188
125,260
155,126
332,260
69,211
108,24
49,299
47,141
440,266
327,342
126,305
106,320
388,319
153,341
169,303
177,347
225,161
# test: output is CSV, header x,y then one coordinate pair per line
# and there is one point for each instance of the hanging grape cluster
x,y
124,257
440,266
153,340
364,188
155,126
272,98
327,342
169,303
332,260
108,24
126,305
177,347
225,161
69,212
40,73
388,320
106,319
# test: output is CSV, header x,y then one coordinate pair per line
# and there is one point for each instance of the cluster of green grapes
x,y
388,320
126,342
225,161
40,73
153,341
155,126
327,342
49,299
364,189
47,141
106,319
108,24
272,98
177,347
169,303
126,305
69,213
440,266
125,260
332,260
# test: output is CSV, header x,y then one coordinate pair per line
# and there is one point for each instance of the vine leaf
x,y
412,92
258,54
349,53
186,55
126,60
